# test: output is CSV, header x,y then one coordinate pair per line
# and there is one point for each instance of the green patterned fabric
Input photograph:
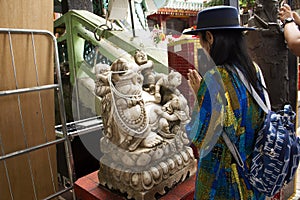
x,y
223,104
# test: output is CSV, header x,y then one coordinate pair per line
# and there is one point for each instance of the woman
x,y
224,105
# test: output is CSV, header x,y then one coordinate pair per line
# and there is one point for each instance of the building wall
x,y
183,55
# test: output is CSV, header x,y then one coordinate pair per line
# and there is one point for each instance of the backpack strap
x,y
265,106
266,95
233,150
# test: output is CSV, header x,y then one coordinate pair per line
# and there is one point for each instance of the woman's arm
x,y
292,37
291,31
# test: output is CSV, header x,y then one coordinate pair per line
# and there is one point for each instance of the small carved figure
x,y
171,116
146,67
166,86
101,83
102,89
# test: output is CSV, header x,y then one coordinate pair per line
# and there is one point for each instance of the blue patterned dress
x,y
224,104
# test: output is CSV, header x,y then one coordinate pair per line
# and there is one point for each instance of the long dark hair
x,y
228,49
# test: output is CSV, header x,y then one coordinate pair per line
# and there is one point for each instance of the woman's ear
x,y
209,37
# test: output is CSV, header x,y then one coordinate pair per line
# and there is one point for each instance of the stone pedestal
x,y
152,173
88,187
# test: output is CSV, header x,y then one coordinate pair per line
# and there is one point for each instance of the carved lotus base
x,y
149,181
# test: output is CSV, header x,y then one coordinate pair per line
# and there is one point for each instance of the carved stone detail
x,y
145,180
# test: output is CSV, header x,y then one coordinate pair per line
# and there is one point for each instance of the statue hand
x,y
157,97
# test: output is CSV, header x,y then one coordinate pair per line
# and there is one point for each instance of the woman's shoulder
x,y
217,70
217,74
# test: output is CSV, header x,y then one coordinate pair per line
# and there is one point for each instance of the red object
x,y
88,188
278,195
183,58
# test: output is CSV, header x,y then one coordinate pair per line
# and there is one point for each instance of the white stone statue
x,y
144,117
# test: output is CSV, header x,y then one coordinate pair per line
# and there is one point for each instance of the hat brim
x,y
196,31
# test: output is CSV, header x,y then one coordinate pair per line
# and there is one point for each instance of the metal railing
x,y
17,91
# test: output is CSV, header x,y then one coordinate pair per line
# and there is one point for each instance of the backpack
x,y
277,148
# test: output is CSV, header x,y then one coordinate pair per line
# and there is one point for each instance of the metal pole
x,y
234,3
131,16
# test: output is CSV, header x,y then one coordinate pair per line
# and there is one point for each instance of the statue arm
x,y
169,117
102,78
158,85
147,65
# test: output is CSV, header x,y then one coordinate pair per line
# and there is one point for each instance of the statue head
x,y
140,57
174,78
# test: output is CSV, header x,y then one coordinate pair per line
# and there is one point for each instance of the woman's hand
x,y
194,80
285,12
296,18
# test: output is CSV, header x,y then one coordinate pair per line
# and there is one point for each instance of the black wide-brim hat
x,y
218,17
